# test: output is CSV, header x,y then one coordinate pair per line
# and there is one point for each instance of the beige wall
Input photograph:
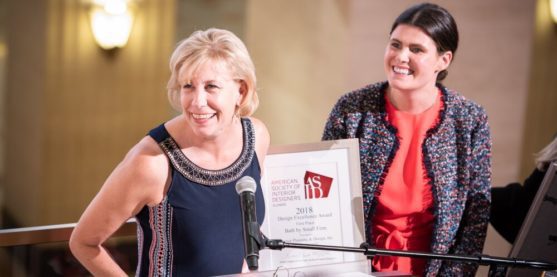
x,y
24,86
299,49
73,110
541,105
195,15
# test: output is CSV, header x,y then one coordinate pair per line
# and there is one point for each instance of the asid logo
x,y
317,185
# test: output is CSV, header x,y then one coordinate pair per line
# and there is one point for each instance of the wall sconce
x,y
111,22
553,9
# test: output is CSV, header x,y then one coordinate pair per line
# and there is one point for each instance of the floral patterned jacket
x,y
457,158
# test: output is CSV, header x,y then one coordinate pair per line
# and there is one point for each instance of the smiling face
x,y
209,98
412,61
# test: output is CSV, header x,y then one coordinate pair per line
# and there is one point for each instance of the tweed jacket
x,y
457,160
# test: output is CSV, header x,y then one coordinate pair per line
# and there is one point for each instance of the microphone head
x,y
246,183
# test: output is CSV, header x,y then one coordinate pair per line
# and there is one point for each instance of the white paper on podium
x,y
312,196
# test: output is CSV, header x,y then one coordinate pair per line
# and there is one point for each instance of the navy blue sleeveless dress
x,y
197,229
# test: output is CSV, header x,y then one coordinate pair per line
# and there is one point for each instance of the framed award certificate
x,y
313,195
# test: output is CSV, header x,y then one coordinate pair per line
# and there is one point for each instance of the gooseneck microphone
x,y
246,187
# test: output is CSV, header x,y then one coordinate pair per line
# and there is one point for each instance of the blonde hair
x,y
213,45
547,155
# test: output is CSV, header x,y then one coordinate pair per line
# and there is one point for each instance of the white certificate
x,y
312,196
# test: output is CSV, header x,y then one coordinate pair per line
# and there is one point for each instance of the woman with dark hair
x,y
425,150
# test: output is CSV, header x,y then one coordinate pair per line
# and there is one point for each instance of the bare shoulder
x,y
262,139
260,129
262,135
144,170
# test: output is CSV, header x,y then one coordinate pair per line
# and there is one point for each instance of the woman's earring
x,y
237,112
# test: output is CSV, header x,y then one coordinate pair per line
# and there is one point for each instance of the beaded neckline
x,y
209,177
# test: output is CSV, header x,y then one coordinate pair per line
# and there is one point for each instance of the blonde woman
x,y
179,181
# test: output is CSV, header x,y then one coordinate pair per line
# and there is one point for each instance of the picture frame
x,y
313,195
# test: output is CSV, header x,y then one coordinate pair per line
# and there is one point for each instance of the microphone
x,y
246,187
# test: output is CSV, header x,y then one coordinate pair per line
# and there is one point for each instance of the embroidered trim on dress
x,y
212,177
161,254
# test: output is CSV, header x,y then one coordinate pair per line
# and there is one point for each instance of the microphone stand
x,y
498,266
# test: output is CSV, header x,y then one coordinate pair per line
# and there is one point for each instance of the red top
x,y
403,218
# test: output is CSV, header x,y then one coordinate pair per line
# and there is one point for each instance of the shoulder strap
x,y
249,134
159,133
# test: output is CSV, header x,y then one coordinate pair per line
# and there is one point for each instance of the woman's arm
x,y
137,181
335,127
473,226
